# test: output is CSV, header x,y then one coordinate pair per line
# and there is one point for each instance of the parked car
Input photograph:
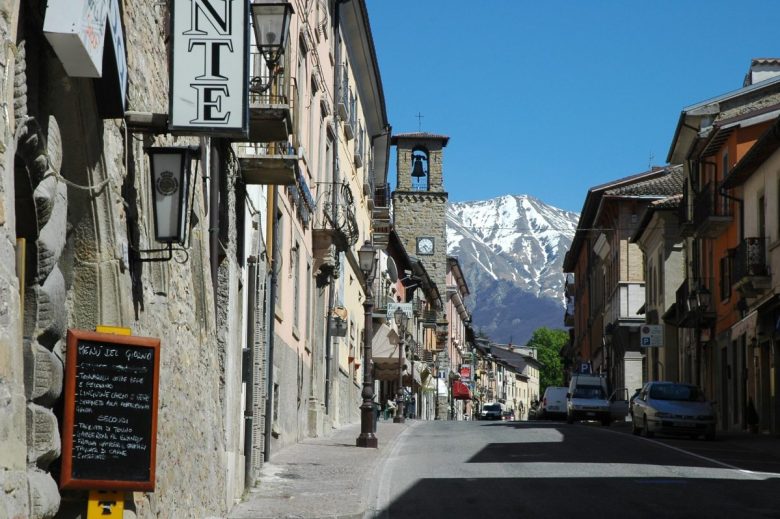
x,y
587,399
673,408
553,403
491,411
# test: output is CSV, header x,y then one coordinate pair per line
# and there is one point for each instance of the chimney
x,y
762,69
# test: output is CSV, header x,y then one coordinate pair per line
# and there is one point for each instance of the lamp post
x,y
367,438
271,23
401,320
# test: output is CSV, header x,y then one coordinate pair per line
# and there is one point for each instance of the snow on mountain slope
x,y
511,249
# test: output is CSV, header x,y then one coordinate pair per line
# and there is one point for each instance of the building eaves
x,y
662,186
590,209
420,136
671,203
691,116
763,148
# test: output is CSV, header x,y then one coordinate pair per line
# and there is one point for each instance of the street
x,y
552,469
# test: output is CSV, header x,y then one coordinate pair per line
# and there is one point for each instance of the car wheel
x,y
646,432
634,429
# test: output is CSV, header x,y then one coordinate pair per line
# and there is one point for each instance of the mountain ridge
x,y
511,249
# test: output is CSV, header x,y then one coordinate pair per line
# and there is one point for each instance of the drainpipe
x,y
334,196
249,371
214,175
273,229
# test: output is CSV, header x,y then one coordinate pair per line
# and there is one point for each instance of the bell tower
x,y
420,202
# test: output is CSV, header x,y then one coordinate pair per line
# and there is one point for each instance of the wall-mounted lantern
x,y
172,202
271,24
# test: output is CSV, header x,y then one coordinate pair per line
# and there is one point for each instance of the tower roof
x,y
420,136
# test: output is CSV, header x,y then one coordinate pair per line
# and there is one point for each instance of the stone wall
x,y
81,189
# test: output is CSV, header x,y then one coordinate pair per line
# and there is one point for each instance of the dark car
x,y
490,412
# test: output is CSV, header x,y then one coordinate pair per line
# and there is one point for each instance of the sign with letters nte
x,y
109,426
210,67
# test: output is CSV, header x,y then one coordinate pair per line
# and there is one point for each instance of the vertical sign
x,y
210,67
109,428
75,29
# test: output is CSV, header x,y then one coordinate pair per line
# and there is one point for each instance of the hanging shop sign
x,y
406,308
210,67
109,432
76,31
465,372
111,88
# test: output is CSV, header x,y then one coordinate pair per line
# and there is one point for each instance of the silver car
x,y
673,408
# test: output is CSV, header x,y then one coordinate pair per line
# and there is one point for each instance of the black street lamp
x,y
271,24
401,321
171,198
367,261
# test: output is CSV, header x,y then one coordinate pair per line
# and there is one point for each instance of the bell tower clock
x,y
420,202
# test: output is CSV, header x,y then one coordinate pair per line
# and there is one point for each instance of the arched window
x,y
420,179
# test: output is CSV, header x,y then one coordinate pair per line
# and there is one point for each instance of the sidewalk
x,y
319,477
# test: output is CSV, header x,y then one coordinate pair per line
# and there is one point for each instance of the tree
x,y
548,343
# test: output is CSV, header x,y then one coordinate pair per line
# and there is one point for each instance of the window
x,y
725,277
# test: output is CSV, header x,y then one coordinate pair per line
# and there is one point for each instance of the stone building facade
x,y
243,314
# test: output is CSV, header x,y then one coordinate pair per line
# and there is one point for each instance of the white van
x,y
553,404
587,400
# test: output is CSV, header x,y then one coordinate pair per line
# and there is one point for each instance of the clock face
x,y
424,245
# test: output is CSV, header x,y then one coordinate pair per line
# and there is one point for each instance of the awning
x,y
416,375
384,353
460,391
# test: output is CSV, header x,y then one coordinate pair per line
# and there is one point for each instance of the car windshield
x,y
679,392
588,392
492,407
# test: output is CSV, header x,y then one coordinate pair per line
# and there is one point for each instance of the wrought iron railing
x,y
709,203
280,91
750,259
261,149
335,211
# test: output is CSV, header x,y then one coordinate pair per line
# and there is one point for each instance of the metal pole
x,y
399,398
367,437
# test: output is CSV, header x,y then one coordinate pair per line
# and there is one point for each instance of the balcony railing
x,y
271,111
268,162
711,212
750,272
689,312
334,216
381,215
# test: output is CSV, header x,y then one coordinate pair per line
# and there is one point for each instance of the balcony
x,y
711,213
271,112
568,316
750,271
267,163
626,300
381,216
359,146
683,214
334,219
691,309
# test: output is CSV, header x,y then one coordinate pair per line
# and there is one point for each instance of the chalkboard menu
x,y
110,416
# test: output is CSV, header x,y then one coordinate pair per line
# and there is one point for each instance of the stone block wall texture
x,y
80,272
423,214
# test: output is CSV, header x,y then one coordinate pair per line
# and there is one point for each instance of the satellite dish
x,y
392,270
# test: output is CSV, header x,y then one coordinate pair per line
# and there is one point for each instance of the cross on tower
x,y
419,121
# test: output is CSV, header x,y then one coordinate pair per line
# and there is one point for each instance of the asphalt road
x,y
552,469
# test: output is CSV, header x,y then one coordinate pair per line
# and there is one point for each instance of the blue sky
x,y
551,97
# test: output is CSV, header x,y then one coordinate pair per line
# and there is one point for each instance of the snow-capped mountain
x,y
511,250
